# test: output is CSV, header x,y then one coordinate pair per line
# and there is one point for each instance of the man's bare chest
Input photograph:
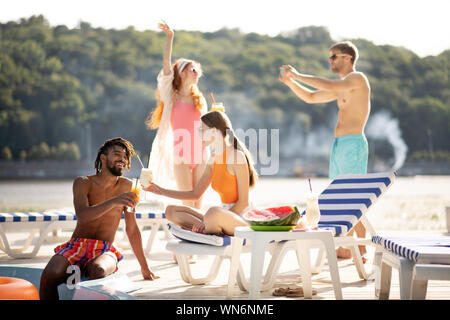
x,y
344,98
351,99
99,195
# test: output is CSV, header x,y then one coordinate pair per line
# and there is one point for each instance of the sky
x,y
421,26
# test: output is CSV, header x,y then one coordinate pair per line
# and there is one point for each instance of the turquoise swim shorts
x,y
349,154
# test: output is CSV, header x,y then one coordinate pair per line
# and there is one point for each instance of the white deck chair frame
x,y
183,249
38,230
413,276
154,223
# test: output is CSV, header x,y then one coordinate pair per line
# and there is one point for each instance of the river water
x,y
412,203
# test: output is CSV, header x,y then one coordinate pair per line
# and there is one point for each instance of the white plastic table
x,y
259,241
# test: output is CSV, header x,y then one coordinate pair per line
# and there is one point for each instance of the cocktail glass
x,y
137,191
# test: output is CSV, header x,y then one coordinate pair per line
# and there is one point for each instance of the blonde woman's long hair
x,y
154,118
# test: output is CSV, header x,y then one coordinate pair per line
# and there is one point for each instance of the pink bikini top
x,y
186,118
183,116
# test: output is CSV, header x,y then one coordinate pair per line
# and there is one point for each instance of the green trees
x,y
64,151
64,91
5,154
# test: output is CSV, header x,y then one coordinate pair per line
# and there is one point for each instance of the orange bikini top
x,y
223,182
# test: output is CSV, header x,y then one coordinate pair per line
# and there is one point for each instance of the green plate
x,y
272,228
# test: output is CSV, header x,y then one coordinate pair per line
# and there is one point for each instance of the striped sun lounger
x,y
342,204
345,201
418,259
42,223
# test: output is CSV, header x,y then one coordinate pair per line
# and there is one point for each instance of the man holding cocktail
x,y
99,201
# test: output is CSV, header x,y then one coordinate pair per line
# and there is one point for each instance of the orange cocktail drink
x,y
137,191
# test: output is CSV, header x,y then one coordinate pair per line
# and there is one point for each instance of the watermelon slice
x,y
279,216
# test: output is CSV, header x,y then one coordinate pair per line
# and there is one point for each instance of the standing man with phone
x,y
350,152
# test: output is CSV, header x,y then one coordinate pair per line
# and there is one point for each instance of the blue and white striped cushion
x,y
426,249
348,197
61,216
37,216
196,237
148,215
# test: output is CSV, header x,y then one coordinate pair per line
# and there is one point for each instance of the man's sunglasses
x,y
334,56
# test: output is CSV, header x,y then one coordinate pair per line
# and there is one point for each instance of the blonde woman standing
x,y
177,153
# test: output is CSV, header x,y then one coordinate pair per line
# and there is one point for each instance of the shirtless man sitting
x,y
350,151
99,202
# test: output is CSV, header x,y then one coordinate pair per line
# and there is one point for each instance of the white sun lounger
x,y
418,259
193,243
342,204
42,223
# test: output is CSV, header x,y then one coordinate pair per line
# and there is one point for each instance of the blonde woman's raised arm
x,y
167,57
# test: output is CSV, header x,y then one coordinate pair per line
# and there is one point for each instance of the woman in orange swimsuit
x,y
177,152
230,173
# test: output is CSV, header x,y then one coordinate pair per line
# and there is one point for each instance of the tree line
x,y
64,91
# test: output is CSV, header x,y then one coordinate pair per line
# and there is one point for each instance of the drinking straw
x,y
310,188
140,160
212,97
